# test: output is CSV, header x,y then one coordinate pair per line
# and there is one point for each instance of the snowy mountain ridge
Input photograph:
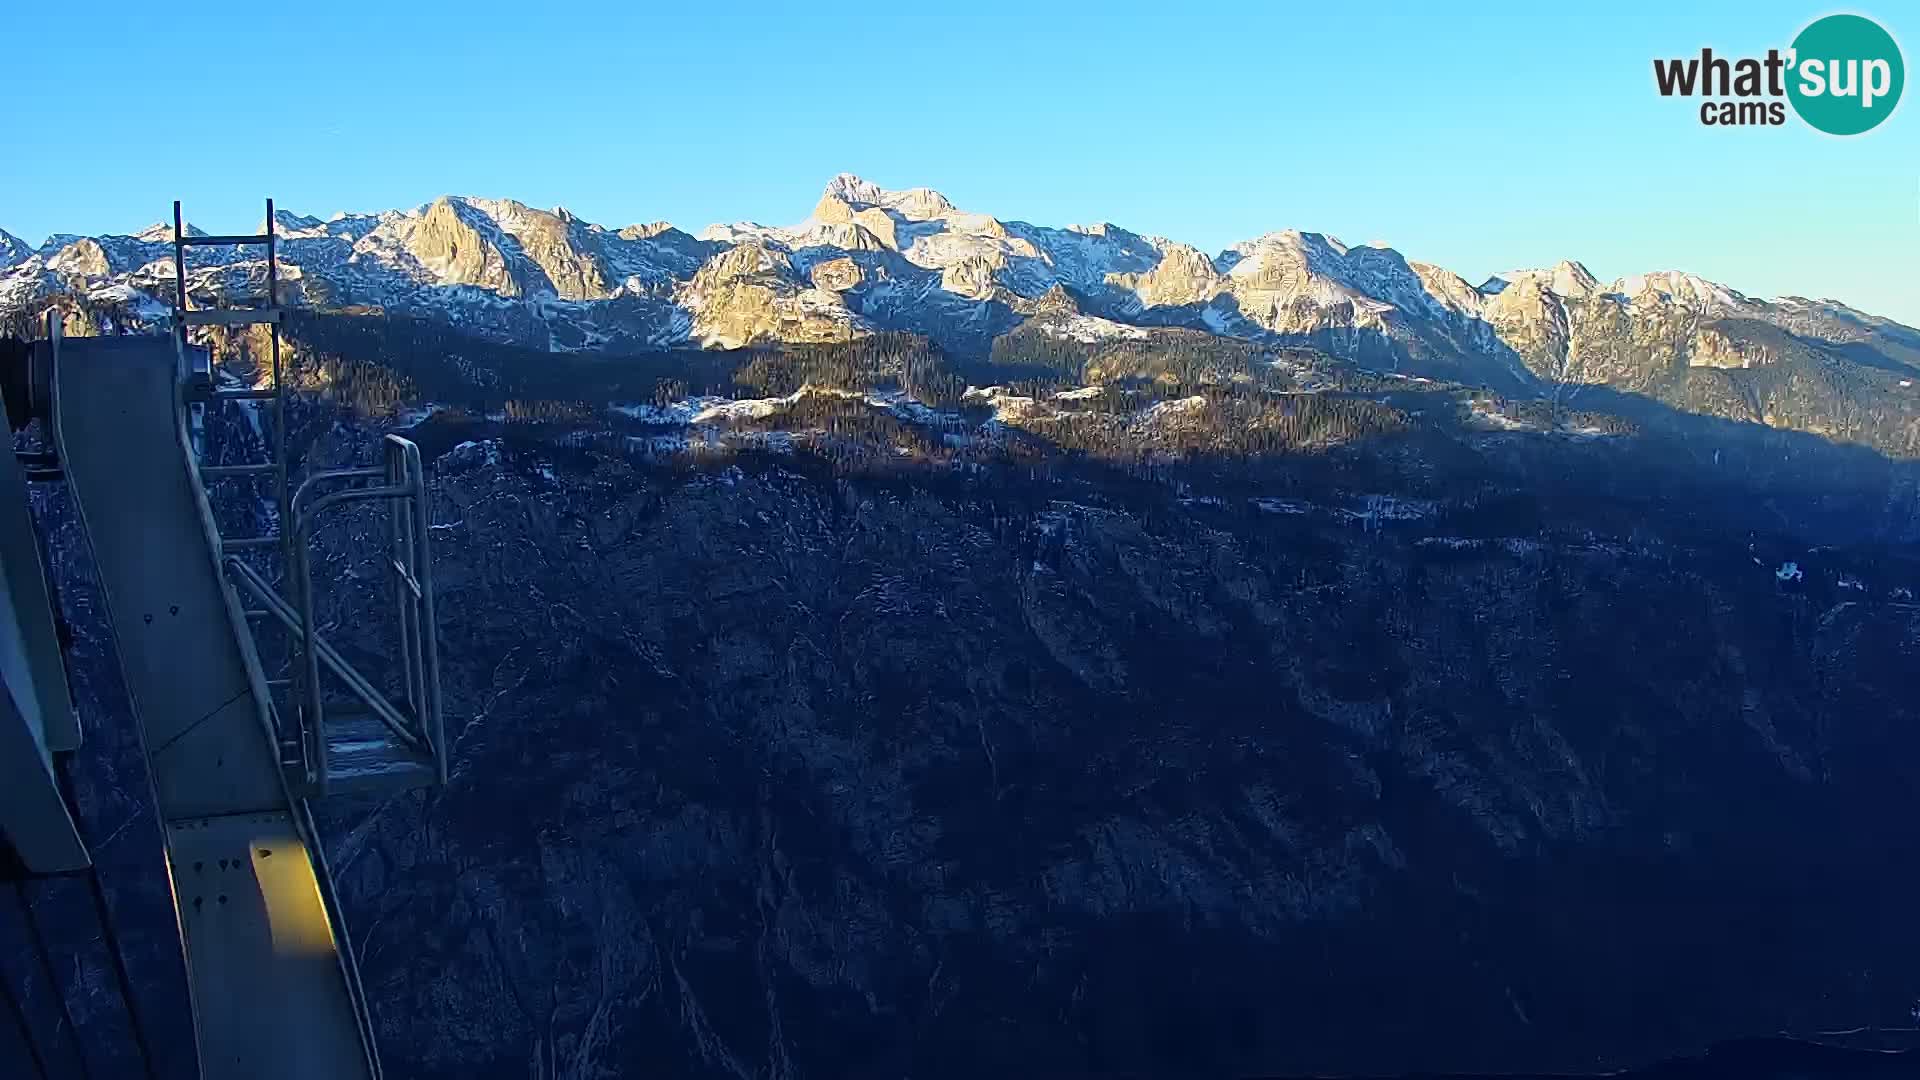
x,y
868,259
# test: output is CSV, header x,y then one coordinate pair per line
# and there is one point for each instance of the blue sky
x,y
1481,136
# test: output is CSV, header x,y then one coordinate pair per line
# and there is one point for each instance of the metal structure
x,y
379,744
36,712
234,748
371,743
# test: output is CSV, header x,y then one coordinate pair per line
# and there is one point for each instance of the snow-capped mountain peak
x,y
1565,278
13,249
291,226
854,191
161,232
918,204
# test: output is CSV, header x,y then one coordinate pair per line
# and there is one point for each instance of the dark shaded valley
x,y
1215,727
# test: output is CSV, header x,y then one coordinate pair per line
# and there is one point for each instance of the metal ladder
x,y
270,315
378,745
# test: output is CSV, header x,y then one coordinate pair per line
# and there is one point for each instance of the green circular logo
x,y
1846,74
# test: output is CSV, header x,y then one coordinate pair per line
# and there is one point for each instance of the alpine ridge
x,y
870,260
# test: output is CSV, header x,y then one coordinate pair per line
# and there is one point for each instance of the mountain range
x,y
868,260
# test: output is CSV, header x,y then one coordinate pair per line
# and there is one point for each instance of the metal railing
x,y
415,724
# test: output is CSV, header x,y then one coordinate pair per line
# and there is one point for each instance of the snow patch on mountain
x,y
1675,287
1089,329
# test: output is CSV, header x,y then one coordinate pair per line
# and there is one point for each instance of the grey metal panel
x,y
118,426
32,609
36,715
193,774
32,814
267,994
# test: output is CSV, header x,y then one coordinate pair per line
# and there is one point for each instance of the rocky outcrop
x,y
511,249
1713,348
872,220
1056,302
752,294
1566,278
747,261
454,250
560,245
851,237
1185,275
646,232
13,250
836,275
973,277
1531,318
84,257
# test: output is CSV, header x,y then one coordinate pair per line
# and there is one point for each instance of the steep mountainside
x,y
1187,705
869,260
1490,750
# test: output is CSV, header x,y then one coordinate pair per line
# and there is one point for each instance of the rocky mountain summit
x,y
868,260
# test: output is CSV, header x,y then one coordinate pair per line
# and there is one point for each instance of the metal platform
x,y
268,997
363,755
271,996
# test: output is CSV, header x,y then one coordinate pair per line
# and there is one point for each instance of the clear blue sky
x,y
1480,136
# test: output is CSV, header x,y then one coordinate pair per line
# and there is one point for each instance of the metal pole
x,y
310,655
430,631
315,748
405,578
279,447
179,282
278,608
